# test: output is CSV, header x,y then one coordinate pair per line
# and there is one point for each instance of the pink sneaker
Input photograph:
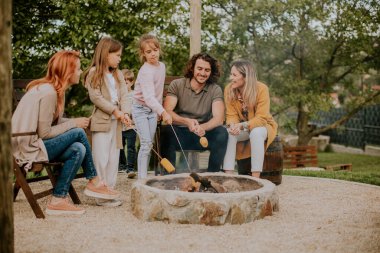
x,y
63,207
101,191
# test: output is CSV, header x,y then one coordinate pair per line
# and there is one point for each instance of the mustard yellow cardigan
x,y
257,117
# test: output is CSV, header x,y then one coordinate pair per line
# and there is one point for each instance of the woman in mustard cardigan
x,y
248,118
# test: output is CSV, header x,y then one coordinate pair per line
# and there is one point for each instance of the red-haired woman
x,y
56,139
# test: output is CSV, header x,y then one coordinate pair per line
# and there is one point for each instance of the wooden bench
x,y
52,169
300,156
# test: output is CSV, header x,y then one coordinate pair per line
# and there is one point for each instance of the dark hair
x,y
215,67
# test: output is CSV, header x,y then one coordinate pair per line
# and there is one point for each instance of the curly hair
x,y
215,67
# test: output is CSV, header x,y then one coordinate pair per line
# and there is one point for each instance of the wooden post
x,y
195,27
6,175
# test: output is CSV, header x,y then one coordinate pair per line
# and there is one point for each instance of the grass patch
x,y
365,168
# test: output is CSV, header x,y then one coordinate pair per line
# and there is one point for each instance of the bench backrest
x,y
19,86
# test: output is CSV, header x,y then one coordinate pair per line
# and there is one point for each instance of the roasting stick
x,y
163,161
188,166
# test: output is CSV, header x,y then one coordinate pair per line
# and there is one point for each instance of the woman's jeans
x,y
146,123
257,137
71,148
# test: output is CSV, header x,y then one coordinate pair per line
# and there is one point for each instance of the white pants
x,y
106,154
257,137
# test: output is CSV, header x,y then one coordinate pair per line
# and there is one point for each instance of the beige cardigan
x,y
35,113
101,97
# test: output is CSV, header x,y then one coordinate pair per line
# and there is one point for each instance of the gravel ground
x,y
316,215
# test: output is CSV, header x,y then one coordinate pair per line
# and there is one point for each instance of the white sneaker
x,y
108,203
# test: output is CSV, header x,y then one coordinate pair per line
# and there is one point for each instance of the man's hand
x,y
82,122
199,130
192,124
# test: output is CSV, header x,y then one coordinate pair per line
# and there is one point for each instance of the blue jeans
x,y
128,163
146,123
71,148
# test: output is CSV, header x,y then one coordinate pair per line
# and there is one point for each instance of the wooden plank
x,y
169,79
300,156
301,152
21,83
302,161
347,166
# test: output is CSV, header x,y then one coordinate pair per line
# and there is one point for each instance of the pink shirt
x,y
149,86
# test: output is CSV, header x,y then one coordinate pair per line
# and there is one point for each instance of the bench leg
x,y
21,181
16,189
73,194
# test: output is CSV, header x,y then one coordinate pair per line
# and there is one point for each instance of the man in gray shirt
x,y
197,108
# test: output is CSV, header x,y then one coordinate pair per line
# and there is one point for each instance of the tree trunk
x,y
305,132
6,204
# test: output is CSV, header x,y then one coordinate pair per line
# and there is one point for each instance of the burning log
x,y
207,185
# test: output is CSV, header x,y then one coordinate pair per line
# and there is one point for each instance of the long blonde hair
x,y
60,68
105,46
250,87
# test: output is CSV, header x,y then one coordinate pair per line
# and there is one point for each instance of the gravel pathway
x,y
316,215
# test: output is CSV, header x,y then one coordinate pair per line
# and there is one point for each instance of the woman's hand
x,y
167,118
82,122
234,129
119,115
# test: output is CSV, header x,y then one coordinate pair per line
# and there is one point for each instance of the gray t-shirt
x,y
193,105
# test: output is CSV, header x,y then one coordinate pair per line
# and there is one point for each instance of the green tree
x,y
41,27
304,50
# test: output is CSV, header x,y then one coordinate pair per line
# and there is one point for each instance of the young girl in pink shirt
x,y
147,99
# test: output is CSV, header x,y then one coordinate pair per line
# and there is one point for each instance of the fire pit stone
x,y
165,198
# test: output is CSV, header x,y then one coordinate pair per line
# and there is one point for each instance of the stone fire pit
x,y
166,198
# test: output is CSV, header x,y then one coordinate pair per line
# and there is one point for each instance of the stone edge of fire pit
x,y
153,204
